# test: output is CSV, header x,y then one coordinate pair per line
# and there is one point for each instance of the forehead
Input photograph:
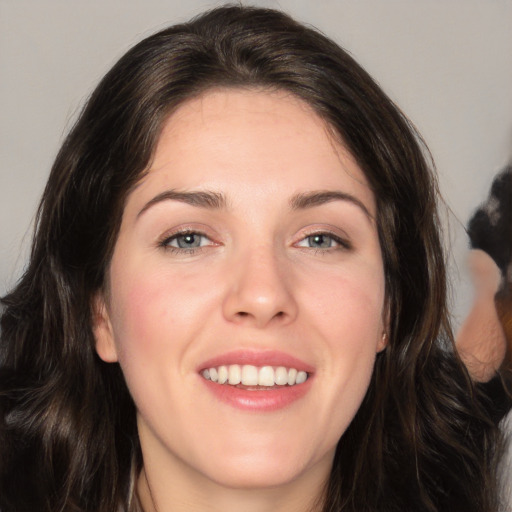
x,y
256,139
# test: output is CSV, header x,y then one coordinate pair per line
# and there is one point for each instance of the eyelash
x,y
342,244
166,241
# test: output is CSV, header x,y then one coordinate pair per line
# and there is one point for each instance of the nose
x,y
260,290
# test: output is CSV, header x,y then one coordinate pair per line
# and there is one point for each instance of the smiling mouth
x,y
255,377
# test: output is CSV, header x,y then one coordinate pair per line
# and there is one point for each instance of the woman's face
x,y
249,250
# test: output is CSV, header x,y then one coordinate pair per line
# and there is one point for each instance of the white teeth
x,y
281,376
234,374
266,376
223,374
249,375
301,377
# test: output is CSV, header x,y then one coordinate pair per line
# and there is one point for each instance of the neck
x,y
198,494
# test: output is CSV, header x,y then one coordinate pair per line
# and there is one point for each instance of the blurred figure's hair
x,y
490,227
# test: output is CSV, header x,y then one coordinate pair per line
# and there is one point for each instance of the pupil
x,y
187,241
320,241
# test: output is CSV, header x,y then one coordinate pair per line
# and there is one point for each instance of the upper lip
x,y
257,358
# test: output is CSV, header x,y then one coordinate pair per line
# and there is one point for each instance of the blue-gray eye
x,y
320,241
323,241
189,240
186,241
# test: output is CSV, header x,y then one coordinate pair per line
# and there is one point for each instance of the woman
x,y
236,295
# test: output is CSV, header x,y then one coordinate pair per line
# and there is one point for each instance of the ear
x,y
383,341
102,330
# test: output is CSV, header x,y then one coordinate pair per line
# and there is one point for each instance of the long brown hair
x,y
421,440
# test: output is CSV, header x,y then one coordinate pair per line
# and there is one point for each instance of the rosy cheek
x,y
353,296
154,307
135,313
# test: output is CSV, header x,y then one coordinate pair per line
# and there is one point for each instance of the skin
x,y
503,302
258,282
481,340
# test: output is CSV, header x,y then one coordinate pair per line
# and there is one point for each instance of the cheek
x,y
155,318
345,311
137,312
350,301
348,316
156,312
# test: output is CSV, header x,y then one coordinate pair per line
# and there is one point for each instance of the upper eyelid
x,y
185,229
336,238
339,235
163,241
334,231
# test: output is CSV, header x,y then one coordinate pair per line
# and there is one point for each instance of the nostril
x,y
243,314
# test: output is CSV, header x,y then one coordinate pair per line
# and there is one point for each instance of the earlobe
x,y
102,330
382,342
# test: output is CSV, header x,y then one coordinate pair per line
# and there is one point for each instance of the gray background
x,y
447,63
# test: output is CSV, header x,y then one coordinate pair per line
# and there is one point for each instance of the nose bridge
x,y
260,289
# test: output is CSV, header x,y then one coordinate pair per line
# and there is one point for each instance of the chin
x,y
245,478
259,471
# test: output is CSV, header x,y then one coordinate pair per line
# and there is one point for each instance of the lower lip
x,y
269,399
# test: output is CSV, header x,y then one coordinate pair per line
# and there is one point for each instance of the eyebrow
x,y
201,199
217,201
316,198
